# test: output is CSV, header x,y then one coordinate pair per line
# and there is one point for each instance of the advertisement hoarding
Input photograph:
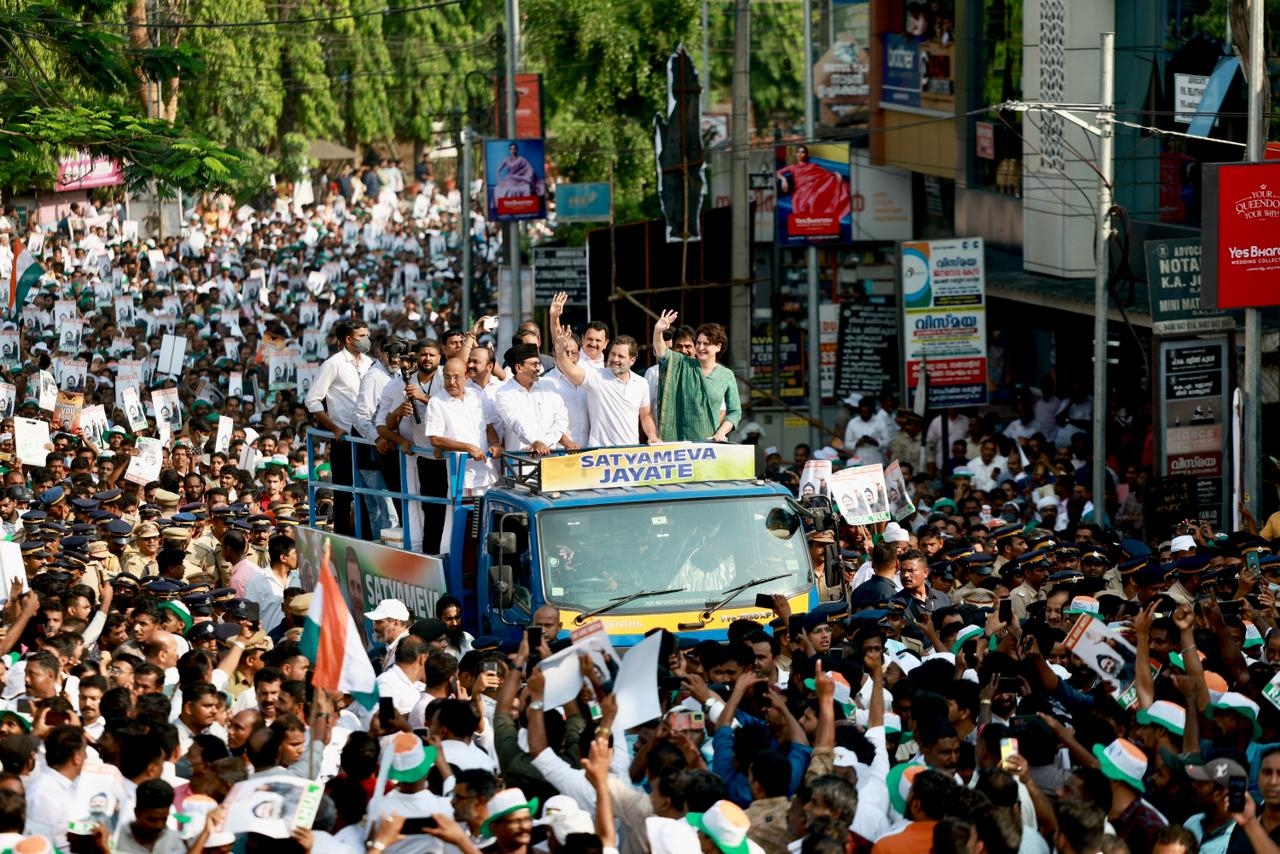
x,y
842,74
1193,393
515,173
1173,281
813,205
918,65
1241,236
944,320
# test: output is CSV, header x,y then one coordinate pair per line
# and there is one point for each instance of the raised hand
x,y
665,321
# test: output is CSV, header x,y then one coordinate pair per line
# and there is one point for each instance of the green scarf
x,y
687,413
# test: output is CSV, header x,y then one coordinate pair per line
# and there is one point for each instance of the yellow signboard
x,y
649,465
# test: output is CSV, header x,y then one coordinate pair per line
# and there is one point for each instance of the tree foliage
x,y
777,63
68,82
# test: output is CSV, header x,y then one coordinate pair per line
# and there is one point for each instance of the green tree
x,y
604,78
69,81
310,107
239,96
777,63
360,65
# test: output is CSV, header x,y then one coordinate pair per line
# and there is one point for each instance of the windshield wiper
x,y
729,595
623,600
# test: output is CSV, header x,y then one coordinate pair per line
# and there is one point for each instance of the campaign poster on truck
x,y
944,321
370,572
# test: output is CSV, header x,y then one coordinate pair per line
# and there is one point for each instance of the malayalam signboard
x,y
1194,404
515,172
1241,235
560,269
918,69
944,320
651,465
1173,281
867,357
842,75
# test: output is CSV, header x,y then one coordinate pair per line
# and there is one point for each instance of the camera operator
x,y
377,467
400,407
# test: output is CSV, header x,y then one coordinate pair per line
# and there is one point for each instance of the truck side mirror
x,y
502,590
832,567
501,542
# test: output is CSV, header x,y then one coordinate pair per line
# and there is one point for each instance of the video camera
x,y
398,347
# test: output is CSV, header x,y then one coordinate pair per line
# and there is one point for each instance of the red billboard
x,y
1241,236
528,106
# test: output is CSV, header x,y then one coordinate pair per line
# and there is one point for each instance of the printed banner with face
x,y
900,503
859,494
1107,654
144,467
66,412
10,348
283,370
515,179
93,425
167,408
133,409
8,399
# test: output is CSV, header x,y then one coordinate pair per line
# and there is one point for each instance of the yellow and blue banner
x,y
648,465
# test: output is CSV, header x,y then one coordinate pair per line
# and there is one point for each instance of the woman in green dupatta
x,y
698,397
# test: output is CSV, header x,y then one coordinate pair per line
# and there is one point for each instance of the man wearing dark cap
x,y
1190,571
533,415
1010,544
1035,572
434,632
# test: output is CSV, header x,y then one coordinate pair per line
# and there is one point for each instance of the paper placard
x,y
120,346
8,400
11,568
173,350
563,674
145,467
159,264
66,412
859,494
167,408
235,384
1272,691
94,425
10,348
31,436
283,368
309,314
70,334
273,806
71,373
313,347
814,477
306,375
636,685
1107,654
126,314
900,503
63,311
99,797
48,391
222,442
133,409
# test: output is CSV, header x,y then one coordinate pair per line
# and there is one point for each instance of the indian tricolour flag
x,y
26,272
341,663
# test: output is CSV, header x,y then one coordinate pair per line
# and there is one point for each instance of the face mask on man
x,y
364,345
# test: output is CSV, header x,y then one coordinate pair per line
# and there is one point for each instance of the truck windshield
x,y
592,555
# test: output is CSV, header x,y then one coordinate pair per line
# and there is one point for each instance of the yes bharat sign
x,y
1241,235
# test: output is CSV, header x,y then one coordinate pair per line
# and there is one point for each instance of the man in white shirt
x,y
462,420
332,401
617,399
533,416
399,413
986,467
51,795
390,625
373,471
957,428
595,343
866,424
574,397
402,683
480,373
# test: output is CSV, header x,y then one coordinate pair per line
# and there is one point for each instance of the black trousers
x,y
343,472
433,477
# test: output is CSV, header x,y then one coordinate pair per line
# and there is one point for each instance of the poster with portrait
x,y
31,319
167,408
66,412
173,352
70,336
99,794
272,806
515,173
144,467
313,346
308,314
120,346
8,400
10,348
63,311
71,374
94,425
235,384
126,313
813,202
1107,654
222,442
900,504
282,368
47,390
305,376
859,494
133,409
814,477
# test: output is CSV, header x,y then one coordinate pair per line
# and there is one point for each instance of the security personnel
x,y
1190,570
974,569
1009,543
141,562
1035,572
260,526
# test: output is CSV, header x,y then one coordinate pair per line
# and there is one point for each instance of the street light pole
x,y
812,344
1106,118
513,228
1250,376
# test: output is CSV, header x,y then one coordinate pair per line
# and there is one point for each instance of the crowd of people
x,y
1006,667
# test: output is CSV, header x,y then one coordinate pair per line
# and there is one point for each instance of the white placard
x,y
859,494
133,409
167,408
145,467
223,440
10,348
235,384
93,425
48,394
11,568
31,436
306,376
636,686
8,400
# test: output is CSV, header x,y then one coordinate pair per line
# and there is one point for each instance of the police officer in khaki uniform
x,y
974,569
208,547
141,562
1035,568
1009,544
260,526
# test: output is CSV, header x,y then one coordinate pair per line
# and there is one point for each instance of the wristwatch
x,y
535,706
